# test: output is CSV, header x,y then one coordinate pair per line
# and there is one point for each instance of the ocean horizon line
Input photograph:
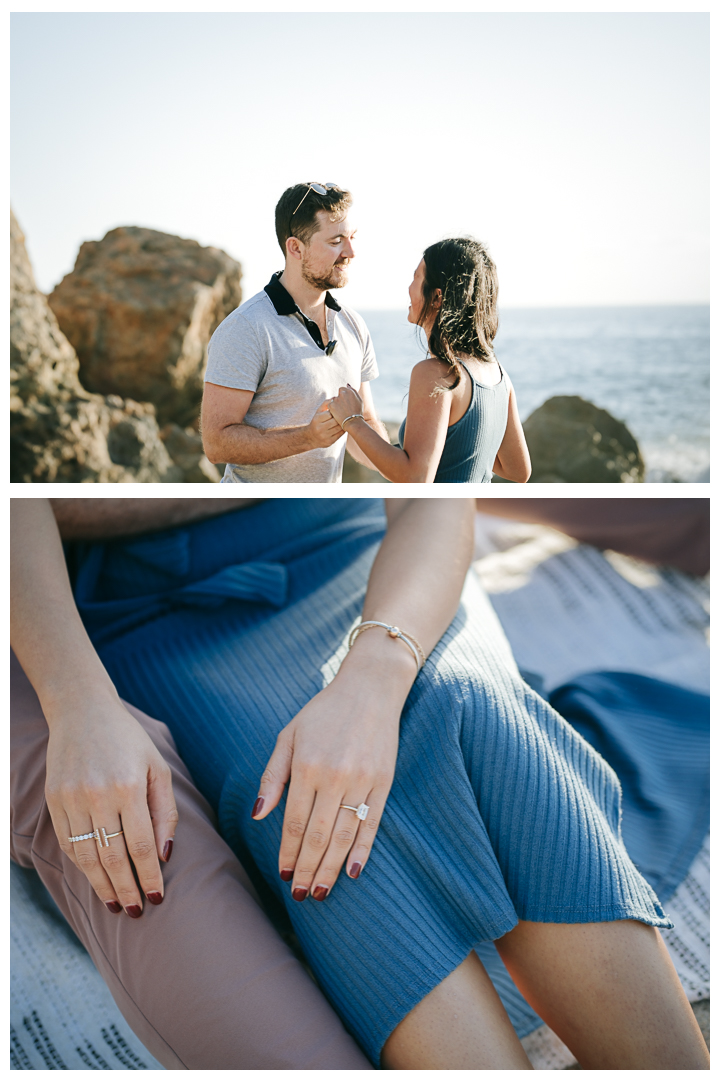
x,y
569,307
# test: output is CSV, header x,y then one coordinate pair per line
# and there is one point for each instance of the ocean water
x,y
648,366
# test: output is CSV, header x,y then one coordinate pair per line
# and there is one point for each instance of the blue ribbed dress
x,y
472,443
499,811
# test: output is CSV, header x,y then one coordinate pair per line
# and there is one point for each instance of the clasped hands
x,y
325,426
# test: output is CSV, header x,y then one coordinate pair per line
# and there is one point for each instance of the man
x,y
274,362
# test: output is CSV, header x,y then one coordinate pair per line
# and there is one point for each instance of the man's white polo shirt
x,y
265,346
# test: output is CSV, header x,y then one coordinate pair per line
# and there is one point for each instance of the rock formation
x,y
186,449
139,308
58,431
572,441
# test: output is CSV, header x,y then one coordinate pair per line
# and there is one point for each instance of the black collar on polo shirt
x,y
283,301
284,304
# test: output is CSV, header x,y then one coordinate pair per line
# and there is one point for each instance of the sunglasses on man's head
x,y
321,189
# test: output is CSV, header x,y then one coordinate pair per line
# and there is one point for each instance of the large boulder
x,y
572,441
58,431
139,308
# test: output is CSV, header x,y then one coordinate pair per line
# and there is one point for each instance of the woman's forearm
x,y
46,632
421,566
359,455
392,462
102,519
417,578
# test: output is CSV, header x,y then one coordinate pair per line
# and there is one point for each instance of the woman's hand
x,y
340,749
425,430
104,772
347,402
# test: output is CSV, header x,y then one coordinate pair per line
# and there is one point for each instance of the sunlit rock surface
x,y
58,431
139,308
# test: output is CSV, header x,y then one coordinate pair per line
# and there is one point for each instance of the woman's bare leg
x,y
609,991
461,1024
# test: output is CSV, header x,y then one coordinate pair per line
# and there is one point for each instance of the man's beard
x,y
332,279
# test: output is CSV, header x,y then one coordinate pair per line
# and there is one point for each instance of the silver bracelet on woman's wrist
x,y
393,632
355,416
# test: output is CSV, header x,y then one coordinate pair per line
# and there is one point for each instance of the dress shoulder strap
x,y
471,376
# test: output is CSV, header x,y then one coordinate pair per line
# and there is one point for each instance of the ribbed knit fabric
x,y
499,811
656,737
471,444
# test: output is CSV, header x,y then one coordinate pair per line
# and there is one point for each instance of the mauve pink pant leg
x,y
668,532
204,980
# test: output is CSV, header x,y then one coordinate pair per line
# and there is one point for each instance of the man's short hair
x,y
303,223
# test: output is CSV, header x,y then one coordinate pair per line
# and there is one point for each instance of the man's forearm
x,y
102,519
242,444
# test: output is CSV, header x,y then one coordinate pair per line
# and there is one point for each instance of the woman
x,y
462,422
488,818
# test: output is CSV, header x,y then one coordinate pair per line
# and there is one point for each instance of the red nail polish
x,y
286,875
299,894
259,803
355,870
167,850
134,911
155,897
112,905
321,892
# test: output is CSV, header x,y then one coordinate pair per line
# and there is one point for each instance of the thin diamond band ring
x,y
96,836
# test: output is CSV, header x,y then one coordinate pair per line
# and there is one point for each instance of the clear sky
x,y
574,145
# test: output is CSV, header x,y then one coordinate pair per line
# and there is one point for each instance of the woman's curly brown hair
x,y
467,321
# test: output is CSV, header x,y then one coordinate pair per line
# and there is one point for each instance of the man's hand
x,y
226,436
323,429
